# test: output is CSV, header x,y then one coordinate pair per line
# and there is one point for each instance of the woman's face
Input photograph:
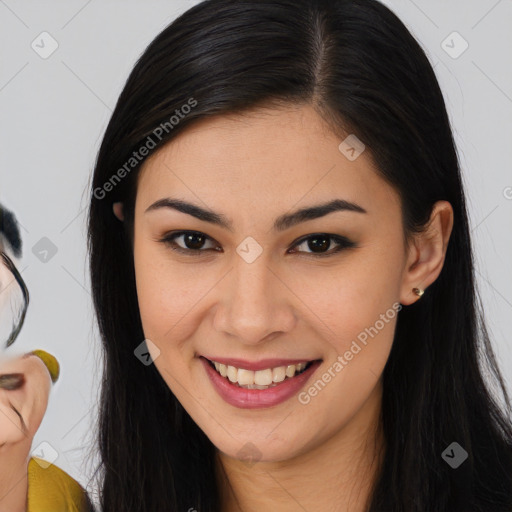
x,y
259,291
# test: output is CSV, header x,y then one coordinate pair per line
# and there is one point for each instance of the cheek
x,y
163,305
358,327
10,426
167,295
354,307
349,298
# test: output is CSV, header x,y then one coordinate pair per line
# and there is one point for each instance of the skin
x,y
254,168
16,436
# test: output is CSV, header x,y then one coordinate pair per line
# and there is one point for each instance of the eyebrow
x,y
282,223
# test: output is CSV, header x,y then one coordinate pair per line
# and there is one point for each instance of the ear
x,y
118,210
426,253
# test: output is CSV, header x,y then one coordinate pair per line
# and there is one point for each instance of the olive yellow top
x,y
50,489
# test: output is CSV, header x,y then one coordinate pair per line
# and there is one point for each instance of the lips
x,y
244,398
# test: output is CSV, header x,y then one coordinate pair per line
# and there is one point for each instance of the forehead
x,y
262,158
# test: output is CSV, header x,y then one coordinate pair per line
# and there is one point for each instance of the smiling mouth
x,y
259,379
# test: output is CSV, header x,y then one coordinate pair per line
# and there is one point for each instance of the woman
x,y
278,223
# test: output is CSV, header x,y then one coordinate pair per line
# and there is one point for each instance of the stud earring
x,y
418,291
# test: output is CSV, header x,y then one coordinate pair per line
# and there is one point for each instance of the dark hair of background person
x,y
10,232
365,74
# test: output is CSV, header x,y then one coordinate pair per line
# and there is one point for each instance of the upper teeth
x,y
259,377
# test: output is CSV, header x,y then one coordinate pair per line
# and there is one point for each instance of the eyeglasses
x,y
14,299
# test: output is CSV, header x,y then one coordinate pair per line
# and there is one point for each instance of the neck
x,y
336,476
13,477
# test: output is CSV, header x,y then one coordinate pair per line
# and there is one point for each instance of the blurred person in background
x,y
28,482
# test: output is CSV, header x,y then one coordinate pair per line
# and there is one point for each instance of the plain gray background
x,y
54,111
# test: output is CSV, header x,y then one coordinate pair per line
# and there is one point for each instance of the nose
x,y
256,308
255,305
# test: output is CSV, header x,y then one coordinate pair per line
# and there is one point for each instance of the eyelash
x,y
343,243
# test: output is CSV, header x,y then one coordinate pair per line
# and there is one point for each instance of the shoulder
x,y
50,489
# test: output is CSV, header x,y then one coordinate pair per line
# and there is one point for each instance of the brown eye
x,y
320,242
192,242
